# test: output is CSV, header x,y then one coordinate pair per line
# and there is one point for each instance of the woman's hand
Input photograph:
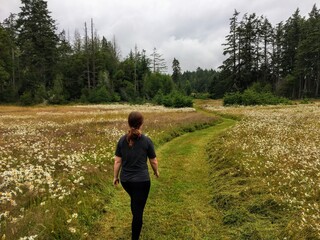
x,y
115,181
154,165
156,173
116,170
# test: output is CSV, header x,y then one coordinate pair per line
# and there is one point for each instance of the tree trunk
x,y
86,46
135,68
93,57
13,69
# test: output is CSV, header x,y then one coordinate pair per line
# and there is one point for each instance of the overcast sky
x,y
192,31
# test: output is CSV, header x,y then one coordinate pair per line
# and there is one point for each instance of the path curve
x,y
179,202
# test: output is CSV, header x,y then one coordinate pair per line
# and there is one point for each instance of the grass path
x,y
179,202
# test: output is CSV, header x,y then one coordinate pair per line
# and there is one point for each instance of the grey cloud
x,y
191,31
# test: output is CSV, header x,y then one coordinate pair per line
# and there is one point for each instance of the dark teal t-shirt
x,y
134,159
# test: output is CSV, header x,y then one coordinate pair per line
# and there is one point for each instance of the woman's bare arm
x,y
154,165
116,169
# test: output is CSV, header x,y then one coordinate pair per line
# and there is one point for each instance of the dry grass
x,y
56,164
280,144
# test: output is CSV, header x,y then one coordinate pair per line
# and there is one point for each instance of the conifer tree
x,y
176,74
37,41
231,49
157,62
267,39
307,66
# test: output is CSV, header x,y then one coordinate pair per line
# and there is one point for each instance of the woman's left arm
x,y
154,165
116,170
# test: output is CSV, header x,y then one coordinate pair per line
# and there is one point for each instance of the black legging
x,y
138,192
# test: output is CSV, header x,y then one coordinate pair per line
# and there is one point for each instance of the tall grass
x,y
278,149
56,164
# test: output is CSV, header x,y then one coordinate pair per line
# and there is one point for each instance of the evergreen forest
x,y
40,64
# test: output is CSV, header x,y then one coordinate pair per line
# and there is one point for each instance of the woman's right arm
x,y
154,165
116,169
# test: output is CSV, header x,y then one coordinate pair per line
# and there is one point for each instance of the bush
x,y
98,95
56,94
40,94
26,99
232,98
203,96
174,99
253,96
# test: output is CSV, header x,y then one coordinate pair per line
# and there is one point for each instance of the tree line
x,y
39,64
286,57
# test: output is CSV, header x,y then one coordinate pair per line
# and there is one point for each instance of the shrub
x,y
56,95
254,96
40,94
99,95
174,99
26,98
234,98
203,96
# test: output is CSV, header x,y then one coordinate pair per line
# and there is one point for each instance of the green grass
x,y
205,192
78,145
249,210
179,205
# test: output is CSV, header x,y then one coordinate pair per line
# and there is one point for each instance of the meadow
x,y
277,148
56,168
56,163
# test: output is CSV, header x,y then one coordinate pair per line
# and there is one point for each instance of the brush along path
x,y
179,202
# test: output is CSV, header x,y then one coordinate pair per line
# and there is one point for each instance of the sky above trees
x,y
191,31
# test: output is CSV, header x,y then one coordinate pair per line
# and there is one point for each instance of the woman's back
x,y
134,158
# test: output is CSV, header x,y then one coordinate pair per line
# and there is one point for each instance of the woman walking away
x,y
131,155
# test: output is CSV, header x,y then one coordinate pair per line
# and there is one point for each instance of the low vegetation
x,y
267,184
174,99
255,95
56,164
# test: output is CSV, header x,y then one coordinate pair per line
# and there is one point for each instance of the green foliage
x,y
285,86
306,101
32,54
198,81
285,56
56,95
248,210
253,96
26,98
202,96
221,83
128,92
176,72
9,95
174,99
40,94
232,98
37,42
98,95
155,82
